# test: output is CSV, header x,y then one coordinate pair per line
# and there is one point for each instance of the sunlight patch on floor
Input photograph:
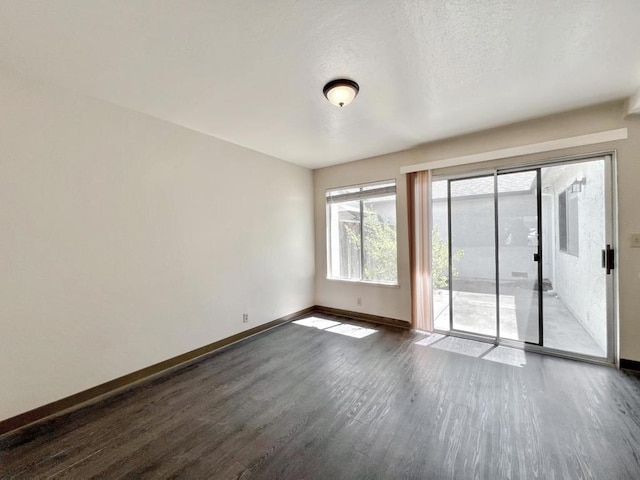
x,y
514,357
434,337
508,356
315,322
335,327
351,330
463,346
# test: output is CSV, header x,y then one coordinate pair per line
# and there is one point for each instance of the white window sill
x,y
364,282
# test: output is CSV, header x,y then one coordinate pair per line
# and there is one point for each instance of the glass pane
x,y
344,240
380,253
574,282
473,255
573,225
518,237
562,221
440,254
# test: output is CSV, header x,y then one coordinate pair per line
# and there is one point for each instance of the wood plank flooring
x,y
302,403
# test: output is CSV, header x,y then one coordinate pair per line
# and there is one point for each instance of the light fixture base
x,y
341,92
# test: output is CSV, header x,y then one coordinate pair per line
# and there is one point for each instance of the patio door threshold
x,y
468,336
527,347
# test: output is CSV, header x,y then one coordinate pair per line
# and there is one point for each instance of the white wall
x,y
126,240
382,300
394,303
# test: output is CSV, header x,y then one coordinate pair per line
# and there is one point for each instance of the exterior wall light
x,y
578,185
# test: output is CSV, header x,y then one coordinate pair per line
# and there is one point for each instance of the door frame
x,y
611,238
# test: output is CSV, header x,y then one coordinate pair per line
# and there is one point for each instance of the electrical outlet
x,y
245,318
359,301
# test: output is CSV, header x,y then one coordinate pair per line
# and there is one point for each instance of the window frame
x,y
360,193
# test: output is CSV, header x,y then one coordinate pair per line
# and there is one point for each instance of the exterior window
x,y
568,223
361,233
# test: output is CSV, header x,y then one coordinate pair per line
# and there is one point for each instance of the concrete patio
x,y
476,313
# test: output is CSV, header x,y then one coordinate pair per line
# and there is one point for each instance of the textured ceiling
x,y
252,72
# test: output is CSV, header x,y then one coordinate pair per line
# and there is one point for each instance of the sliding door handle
x,y
536,257
608,259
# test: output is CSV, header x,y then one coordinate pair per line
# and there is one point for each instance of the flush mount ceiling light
x,y
341,92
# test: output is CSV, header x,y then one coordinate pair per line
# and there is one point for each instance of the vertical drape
x,y
419,207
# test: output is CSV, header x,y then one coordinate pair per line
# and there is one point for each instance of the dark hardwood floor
x,y
303,403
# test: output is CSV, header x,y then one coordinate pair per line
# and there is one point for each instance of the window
x,y
568,224
361,233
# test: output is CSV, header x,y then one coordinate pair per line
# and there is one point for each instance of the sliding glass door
x,y
577,281
524,256
473,294
519,254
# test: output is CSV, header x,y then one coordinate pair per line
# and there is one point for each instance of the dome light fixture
x,y
341,92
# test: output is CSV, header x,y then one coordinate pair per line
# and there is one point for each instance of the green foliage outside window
x,y
380,246
440,260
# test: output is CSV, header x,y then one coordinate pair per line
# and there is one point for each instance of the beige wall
x,y
387,301
126,240
395,302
